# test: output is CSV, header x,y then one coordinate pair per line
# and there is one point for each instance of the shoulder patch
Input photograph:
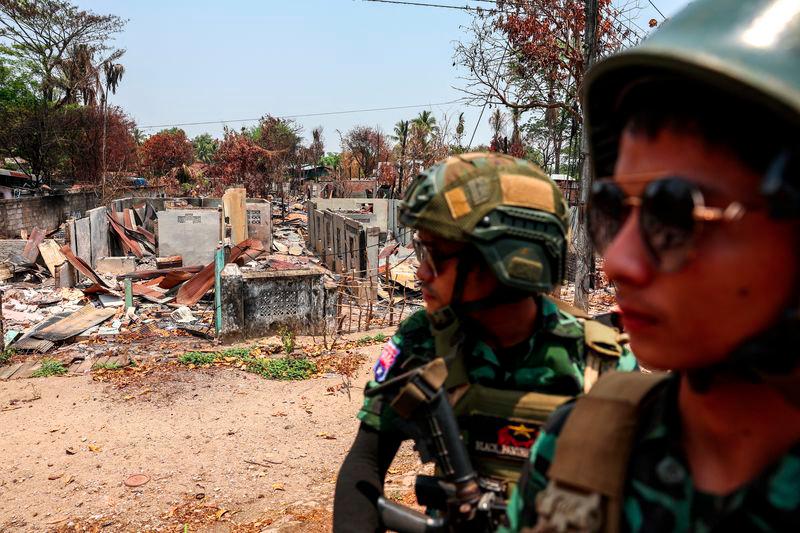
x,y
386,360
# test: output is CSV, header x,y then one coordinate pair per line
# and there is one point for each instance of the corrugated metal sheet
x,y
75,324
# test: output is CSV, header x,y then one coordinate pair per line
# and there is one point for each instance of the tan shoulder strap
x,y
595,443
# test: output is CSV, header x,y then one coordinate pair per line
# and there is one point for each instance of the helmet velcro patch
x,y
527,191
527,269
457,202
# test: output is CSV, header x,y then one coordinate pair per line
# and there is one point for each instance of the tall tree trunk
x,y
583,248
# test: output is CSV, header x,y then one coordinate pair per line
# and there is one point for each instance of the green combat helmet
x,y
507,208
750,48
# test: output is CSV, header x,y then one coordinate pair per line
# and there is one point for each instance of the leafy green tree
x,y
65,56
205,146
331,159
63,47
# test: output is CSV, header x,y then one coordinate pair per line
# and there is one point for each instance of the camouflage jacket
x,y
659,494
552,361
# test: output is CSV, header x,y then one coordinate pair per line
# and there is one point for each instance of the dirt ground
x,y
221,449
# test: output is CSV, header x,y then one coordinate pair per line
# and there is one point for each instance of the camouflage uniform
x,y
724,45
552,362
512,218
660,494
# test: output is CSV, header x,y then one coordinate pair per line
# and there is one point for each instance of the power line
x,y
656,8
440,6
306,115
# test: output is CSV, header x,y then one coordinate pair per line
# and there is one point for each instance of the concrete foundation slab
x,y
191,233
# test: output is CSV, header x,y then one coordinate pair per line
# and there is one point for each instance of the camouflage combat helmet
x,y
743,47
507,208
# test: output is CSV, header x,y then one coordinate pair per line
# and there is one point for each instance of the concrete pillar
x,y
232,303
371,251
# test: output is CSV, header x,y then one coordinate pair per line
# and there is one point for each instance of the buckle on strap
x,y
564,510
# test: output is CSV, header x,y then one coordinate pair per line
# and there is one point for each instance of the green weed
x,y
6,355
377,338
283,368
50,367
236,352
287,339
199,358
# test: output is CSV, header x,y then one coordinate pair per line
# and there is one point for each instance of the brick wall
x,y
44,212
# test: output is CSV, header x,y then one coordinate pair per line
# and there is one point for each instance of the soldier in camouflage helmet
x,y
695,136
491,234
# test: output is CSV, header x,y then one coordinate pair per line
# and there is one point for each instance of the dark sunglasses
x,y
671,213
433,258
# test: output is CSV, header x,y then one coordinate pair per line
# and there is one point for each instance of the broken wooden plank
x,y
173,261
194,289
75,324
52,255
7,371
27,369
31,251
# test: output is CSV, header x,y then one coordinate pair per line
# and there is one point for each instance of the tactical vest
x,y
499,426
589,469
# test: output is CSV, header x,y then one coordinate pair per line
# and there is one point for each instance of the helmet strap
x,y
458,309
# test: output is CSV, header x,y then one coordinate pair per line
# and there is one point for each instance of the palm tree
x,y
401,131
460,131
426,122
423,127
113,76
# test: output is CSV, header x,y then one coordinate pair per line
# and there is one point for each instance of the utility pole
x,y
584,256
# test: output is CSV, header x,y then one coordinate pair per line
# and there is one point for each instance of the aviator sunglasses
x,y
671,212
433,258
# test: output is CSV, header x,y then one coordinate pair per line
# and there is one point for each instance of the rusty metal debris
x,y
194,289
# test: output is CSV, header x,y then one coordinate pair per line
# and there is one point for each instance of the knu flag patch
x,y
386,360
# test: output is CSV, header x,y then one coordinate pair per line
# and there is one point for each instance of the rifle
x,y
418,396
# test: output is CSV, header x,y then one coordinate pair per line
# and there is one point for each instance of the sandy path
x,y
191,432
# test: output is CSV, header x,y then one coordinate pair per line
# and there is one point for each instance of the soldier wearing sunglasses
x,y
695,136
491,242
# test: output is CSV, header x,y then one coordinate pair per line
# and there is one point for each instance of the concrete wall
x,y
386,213
259,222
45,212
259,304
191,233
9,247
49,212
343,243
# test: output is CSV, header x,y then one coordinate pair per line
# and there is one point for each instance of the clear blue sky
x,y
200,60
